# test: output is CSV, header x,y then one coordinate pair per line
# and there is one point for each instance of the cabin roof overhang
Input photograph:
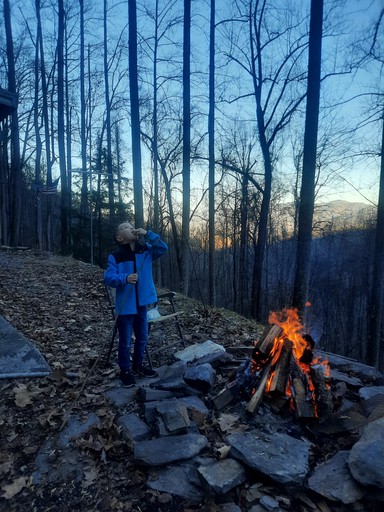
x,y
8,103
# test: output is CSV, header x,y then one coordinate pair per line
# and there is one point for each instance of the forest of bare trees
x,y
228,127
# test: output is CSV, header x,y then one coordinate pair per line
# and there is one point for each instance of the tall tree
x,y
184,285
135,115
84,177
211,150
307,195
271,29
45,114
375,349
15,136
61,126
39,221
111,191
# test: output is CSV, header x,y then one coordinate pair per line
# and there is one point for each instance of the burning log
x,y
278,383
258,395
307,355
322,392
265,345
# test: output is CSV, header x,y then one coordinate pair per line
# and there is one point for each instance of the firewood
x,y
281,373
226,395
322,392
266,342
258,395
304,408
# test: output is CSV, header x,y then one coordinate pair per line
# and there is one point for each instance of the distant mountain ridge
x,y
331,216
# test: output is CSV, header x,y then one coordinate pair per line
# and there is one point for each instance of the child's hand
x,y
132,278
140,231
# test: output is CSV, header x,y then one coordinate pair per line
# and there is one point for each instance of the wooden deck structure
x,y
8,103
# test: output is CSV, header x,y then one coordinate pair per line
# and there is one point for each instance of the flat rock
x,y
346,364
159,452
370,391
197,410
172,378
133,428
334,481
57,460
343,377
279,456
120,396
201,377
367,455
18,356
198,351
180,480
174,416
223,475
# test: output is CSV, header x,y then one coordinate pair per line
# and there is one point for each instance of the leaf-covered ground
x,y
61,306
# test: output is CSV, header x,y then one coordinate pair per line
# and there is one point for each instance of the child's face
x,y
126,233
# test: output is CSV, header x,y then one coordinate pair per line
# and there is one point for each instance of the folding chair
x,y
154,318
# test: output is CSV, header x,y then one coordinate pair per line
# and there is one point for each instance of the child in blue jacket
x,y
130,272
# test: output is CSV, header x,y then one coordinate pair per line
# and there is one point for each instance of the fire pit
x,y
283,368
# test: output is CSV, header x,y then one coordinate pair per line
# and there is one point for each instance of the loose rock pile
x,y
265,461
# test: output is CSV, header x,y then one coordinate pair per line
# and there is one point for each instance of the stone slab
x,y
18,356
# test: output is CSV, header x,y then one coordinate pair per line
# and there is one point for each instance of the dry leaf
x,y
90,476
22,395
15,487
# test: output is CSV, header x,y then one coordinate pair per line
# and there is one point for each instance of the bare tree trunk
x,y
44,92
155,128
307,196
184,285
68,131
4,195
135,115
243,259
111,191
375,347
155,153
83,142
211,150
39,220
15,204
61,126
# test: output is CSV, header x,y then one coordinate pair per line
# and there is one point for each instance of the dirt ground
x,y
61,306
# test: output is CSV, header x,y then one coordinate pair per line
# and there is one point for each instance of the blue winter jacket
x,y
125,261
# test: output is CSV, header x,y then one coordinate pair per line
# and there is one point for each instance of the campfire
x,y
283,369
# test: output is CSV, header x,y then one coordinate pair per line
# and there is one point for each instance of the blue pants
x,y
126,325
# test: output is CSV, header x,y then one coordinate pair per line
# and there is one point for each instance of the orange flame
x,y
288,320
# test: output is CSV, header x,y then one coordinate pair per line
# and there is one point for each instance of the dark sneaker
x,y
127,379
142,371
